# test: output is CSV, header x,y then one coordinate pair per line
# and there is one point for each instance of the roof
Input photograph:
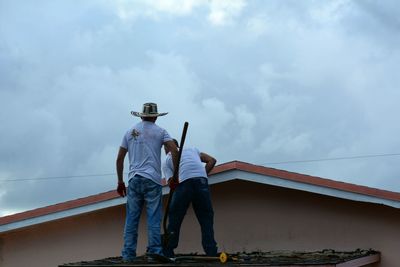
x,y
234,170
324,258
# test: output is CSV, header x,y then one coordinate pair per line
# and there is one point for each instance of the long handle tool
x,y
166,235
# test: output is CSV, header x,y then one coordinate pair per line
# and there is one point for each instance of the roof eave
x,y
229,171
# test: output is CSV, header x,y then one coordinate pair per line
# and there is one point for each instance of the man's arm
x,y
171,147
209,161
121,189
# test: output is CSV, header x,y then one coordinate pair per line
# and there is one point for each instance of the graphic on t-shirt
x,y
135,133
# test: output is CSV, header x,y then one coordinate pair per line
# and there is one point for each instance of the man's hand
x,y
121,189
173,183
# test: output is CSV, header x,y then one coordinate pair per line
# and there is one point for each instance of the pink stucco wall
x,y
88,236
248,217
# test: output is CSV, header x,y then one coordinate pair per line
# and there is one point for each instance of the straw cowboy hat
x,y
149,110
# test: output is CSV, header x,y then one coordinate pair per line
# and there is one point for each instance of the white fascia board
x,y
68,213
214,179
322,190
62,214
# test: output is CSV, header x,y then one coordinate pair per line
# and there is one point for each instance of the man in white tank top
x,y
192,188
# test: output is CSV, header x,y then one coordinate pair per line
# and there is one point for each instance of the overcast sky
x,y
259,81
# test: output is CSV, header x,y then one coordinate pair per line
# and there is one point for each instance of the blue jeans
x,y
142,190
195,191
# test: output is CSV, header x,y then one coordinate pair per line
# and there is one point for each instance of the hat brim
x,y
143,115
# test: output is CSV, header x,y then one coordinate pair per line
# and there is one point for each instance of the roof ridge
x,y
69,204
227,166
311,179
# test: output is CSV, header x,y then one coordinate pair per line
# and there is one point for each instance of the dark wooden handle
x,y
176,173
183,137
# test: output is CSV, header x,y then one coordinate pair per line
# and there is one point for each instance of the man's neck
x,y
150,119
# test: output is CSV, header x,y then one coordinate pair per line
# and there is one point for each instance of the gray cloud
x,y
261,83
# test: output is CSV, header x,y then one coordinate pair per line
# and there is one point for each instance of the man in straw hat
x,y
143,143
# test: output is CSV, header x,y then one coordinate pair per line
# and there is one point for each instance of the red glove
x,y
173,183
121,189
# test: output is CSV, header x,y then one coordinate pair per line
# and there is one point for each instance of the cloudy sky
x,y
314,84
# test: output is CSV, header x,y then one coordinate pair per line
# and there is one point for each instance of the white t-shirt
x,y
189,167
144,142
